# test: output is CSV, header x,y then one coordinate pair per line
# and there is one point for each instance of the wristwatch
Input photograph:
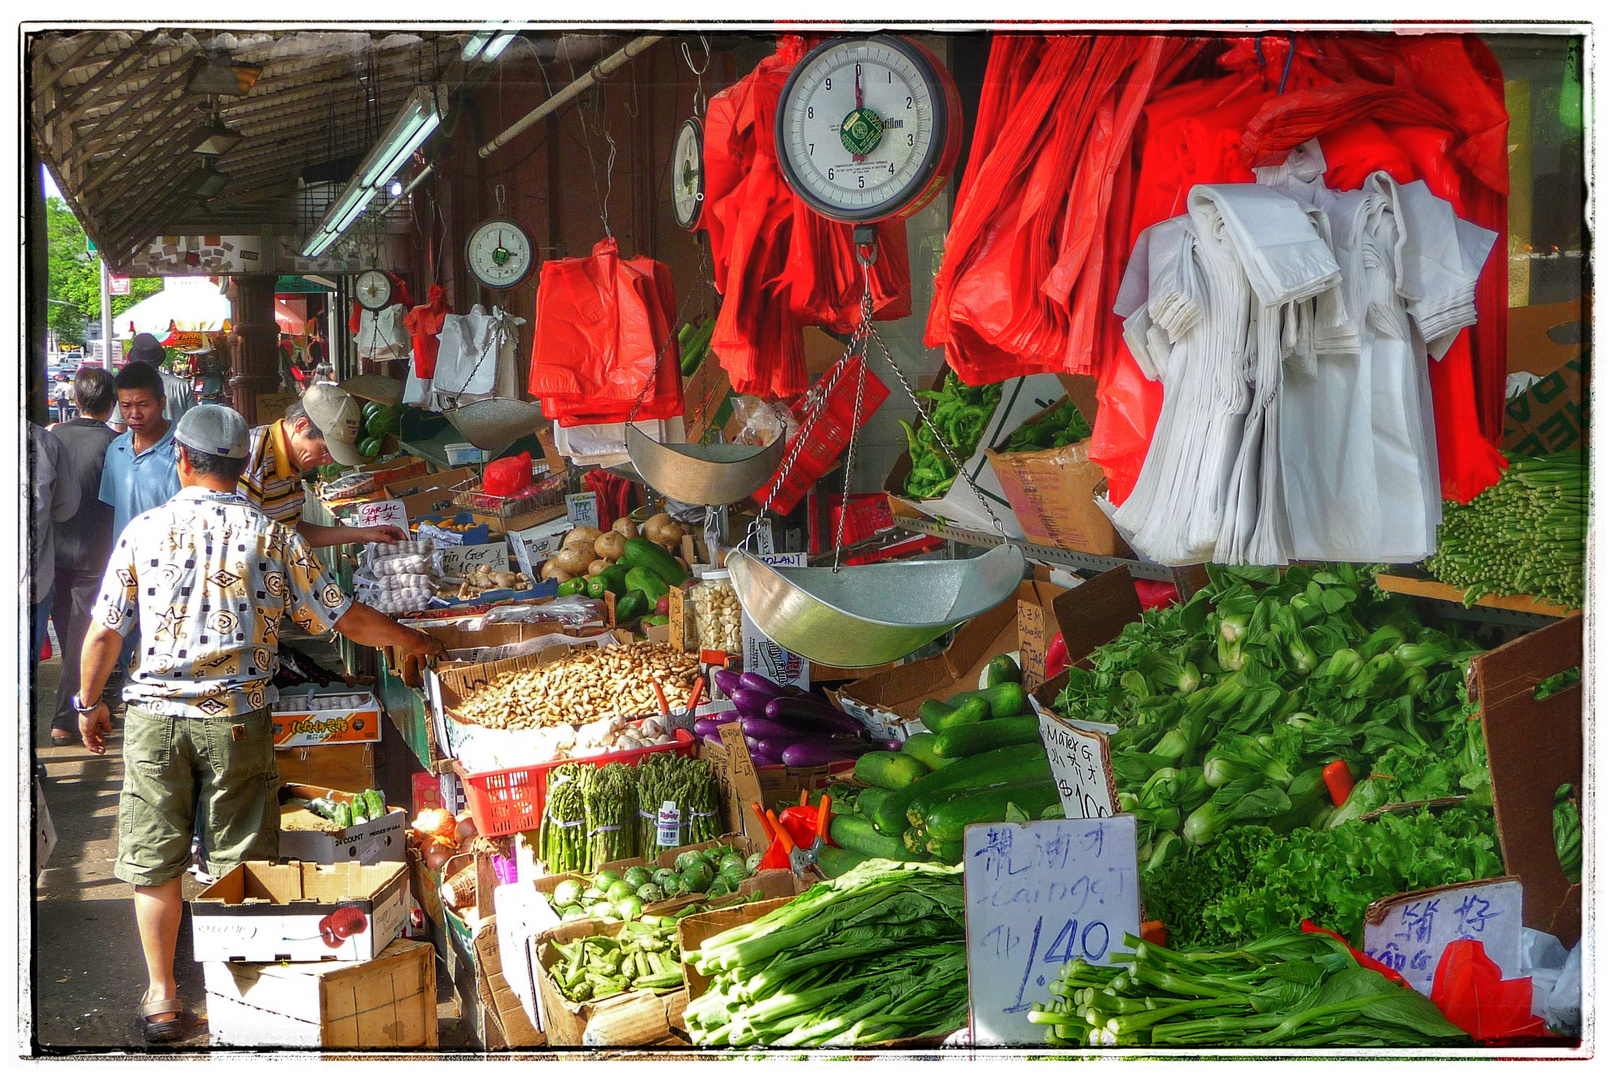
x,y
81,707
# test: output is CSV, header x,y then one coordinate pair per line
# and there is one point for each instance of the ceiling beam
x,y
154,198
159,136
107,128
115,66
91,40
172,70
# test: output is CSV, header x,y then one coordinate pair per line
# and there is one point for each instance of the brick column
x,y
256,343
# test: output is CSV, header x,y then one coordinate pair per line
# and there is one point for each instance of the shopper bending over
x,y
211,578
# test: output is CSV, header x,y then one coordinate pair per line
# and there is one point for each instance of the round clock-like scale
x,y
500,253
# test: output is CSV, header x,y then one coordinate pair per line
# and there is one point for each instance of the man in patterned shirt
x,y
209,578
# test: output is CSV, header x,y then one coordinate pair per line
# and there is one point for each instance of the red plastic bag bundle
x,y
424,323
508,475
778,264
1032,258
1469,990
604,330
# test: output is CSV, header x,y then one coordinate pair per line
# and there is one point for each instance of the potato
x,y
624,526
553,572
597,567
582,534
662,531
612,545
574,559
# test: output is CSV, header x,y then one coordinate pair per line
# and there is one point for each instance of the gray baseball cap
x,y
213,429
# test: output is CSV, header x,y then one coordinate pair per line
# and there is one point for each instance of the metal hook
x,y
699,73
1293,46
498,197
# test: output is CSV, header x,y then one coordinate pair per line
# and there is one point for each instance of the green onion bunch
x,y
1525,534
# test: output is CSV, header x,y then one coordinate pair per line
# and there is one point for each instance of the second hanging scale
x,y
868,128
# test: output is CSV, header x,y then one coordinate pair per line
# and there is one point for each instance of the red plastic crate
x,y
505,801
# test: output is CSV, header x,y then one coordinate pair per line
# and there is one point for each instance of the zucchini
x,y
870,800
644,580
835,861
887,769
922,747
947,851
971,739
375,803
948,820
914,839
1010,764
655,559
1002,668
856,834
971,711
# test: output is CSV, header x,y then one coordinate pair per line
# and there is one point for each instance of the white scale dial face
x,y
688,184
373,289
866,96
499,253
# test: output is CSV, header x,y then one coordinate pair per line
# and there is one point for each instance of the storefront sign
x,y
1037,895
1408,932
1081,769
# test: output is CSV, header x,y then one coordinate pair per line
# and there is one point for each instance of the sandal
x,y
63,740
161,1031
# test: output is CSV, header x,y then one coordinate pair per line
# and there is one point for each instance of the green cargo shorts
x,y
174,766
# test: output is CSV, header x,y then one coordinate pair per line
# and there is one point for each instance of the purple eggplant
x,y
760,683
757,728
708,725
751,702
893,744
727,681
812,711
762,759
806,754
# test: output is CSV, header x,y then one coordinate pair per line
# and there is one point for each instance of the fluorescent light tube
x,y
499,44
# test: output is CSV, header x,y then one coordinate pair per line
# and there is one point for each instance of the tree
x,y
75,277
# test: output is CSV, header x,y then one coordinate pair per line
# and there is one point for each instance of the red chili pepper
x,y
1339,781
1058,656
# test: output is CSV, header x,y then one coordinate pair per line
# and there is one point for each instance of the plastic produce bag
x,y
508,475
826,437
1469,990
424,323
1556,975
604,336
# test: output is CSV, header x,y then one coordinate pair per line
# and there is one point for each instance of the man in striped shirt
x,y
322,427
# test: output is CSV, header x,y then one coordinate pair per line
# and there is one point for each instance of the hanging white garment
x,y
475,357
382,335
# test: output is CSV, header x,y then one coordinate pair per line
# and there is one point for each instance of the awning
x,y
184,305
291,312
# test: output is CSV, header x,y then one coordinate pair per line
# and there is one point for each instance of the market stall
x,y
1187,657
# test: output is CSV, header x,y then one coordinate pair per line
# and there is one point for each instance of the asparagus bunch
x,y
563,835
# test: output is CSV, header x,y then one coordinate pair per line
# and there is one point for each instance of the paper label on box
x,y
1081,769
1410,934
382,512
762,654
459,561
667,824
1037,895
583,509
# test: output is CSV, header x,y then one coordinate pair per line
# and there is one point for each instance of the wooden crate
x,y
1420,584
386,1003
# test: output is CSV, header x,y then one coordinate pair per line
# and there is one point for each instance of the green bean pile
x,y
1524,534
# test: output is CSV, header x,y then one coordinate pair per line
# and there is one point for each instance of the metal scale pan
x,y
496,422
381,388
843,619
703,474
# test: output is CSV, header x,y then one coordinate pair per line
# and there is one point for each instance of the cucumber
x,y
359,811
375,804
1010,764
1002,668
948,820
971,711
640,552
972,739
835,861
1005,699
643,579
914,840
886,769
343,816
869,801
325,808
856,834
931,711
922,747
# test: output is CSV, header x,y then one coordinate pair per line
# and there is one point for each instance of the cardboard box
x,y
1551,415
741,782
697,928
427,501
307,837
389,1002
634,1018
498,995
414,485
885,701
458,637
1053,493
1022,398
459,682
1533,747
262,912
341,766
1413,582
327,721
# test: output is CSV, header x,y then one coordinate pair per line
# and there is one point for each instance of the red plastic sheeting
x,y
424,324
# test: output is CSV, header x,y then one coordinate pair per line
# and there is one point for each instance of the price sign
x,y
381,512
459,561
1080,761
583,509
1037,895
1409,931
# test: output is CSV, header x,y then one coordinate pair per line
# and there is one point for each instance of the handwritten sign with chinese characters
x,y
380,512
1080,761
1408,932
459,561
1039,894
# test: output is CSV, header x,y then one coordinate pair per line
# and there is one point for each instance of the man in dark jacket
x,y
84,542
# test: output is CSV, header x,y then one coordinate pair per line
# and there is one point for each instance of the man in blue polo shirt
x,y
140,464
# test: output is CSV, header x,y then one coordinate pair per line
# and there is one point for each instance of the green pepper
x,y
597,586
572,587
